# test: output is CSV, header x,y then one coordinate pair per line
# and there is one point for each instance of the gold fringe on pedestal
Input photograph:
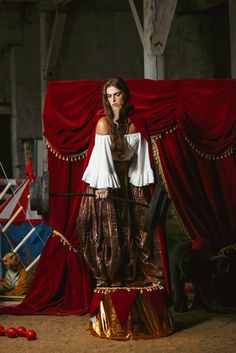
x,y
142,322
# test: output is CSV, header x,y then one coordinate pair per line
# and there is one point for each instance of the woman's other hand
x,y
101,193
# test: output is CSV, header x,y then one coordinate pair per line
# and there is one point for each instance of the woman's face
x,y
115,97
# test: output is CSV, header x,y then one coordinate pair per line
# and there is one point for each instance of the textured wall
x,y
232,12
199,45
100,41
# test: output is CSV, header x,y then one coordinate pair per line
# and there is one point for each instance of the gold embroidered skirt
x,y
113,242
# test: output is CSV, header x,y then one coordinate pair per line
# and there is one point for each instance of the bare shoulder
x,y
102,127
132,129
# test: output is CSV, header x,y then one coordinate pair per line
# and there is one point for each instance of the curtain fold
x,y
203,192
206,113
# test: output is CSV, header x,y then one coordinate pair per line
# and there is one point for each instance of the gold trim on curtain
x,y
71,157
214,156
161,174
63,240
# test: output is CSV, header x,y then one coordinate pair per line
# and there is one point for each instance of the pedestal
x,y
130,313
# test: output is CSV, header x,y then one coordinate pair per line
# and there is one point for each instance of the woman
x,y
115,246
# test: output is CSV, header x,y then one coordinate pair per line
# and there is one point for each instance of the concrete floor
x,y
195,332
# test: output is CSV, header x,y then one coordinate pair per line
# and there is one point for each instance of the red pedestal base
x,y
130,313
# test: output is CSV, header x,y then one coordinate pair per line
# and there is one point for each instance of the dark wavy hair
x,y
117,131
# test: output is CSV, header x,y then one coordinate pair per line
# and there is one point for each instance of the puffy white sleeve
x,y
140,170
100,172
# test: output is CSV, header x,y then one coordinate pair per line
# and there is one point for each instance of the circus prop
x,y
40,201
40,196
21,331
22,237
17,280
158,208
130,313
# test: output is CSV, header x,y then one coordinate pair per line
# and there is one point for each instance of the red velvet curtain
x,y
192,122
198,161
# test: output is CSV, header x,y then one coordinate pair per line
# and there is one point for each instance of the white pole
x,y
12,219
5,190
23,240
32,263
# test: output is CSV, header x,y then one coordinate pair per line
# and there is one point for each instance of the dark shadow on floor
x,y
190,318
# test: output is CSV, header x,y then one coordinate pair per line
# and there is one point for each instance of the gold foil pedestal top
x,y
123,313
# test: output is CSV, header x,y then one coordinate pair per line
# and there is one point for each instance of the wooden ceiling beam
x,y
55,43
161,26
137,20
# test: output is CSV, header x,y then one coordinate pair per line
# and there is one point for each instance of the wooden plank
x,y
149,18
150,60
161,26
137,20
55,43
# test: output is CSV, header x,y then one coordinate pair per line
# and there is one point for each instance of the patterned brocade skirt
x,y
113,242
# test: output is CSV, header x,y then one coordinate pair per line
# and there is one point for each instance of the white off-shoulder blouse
x,y
101,173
